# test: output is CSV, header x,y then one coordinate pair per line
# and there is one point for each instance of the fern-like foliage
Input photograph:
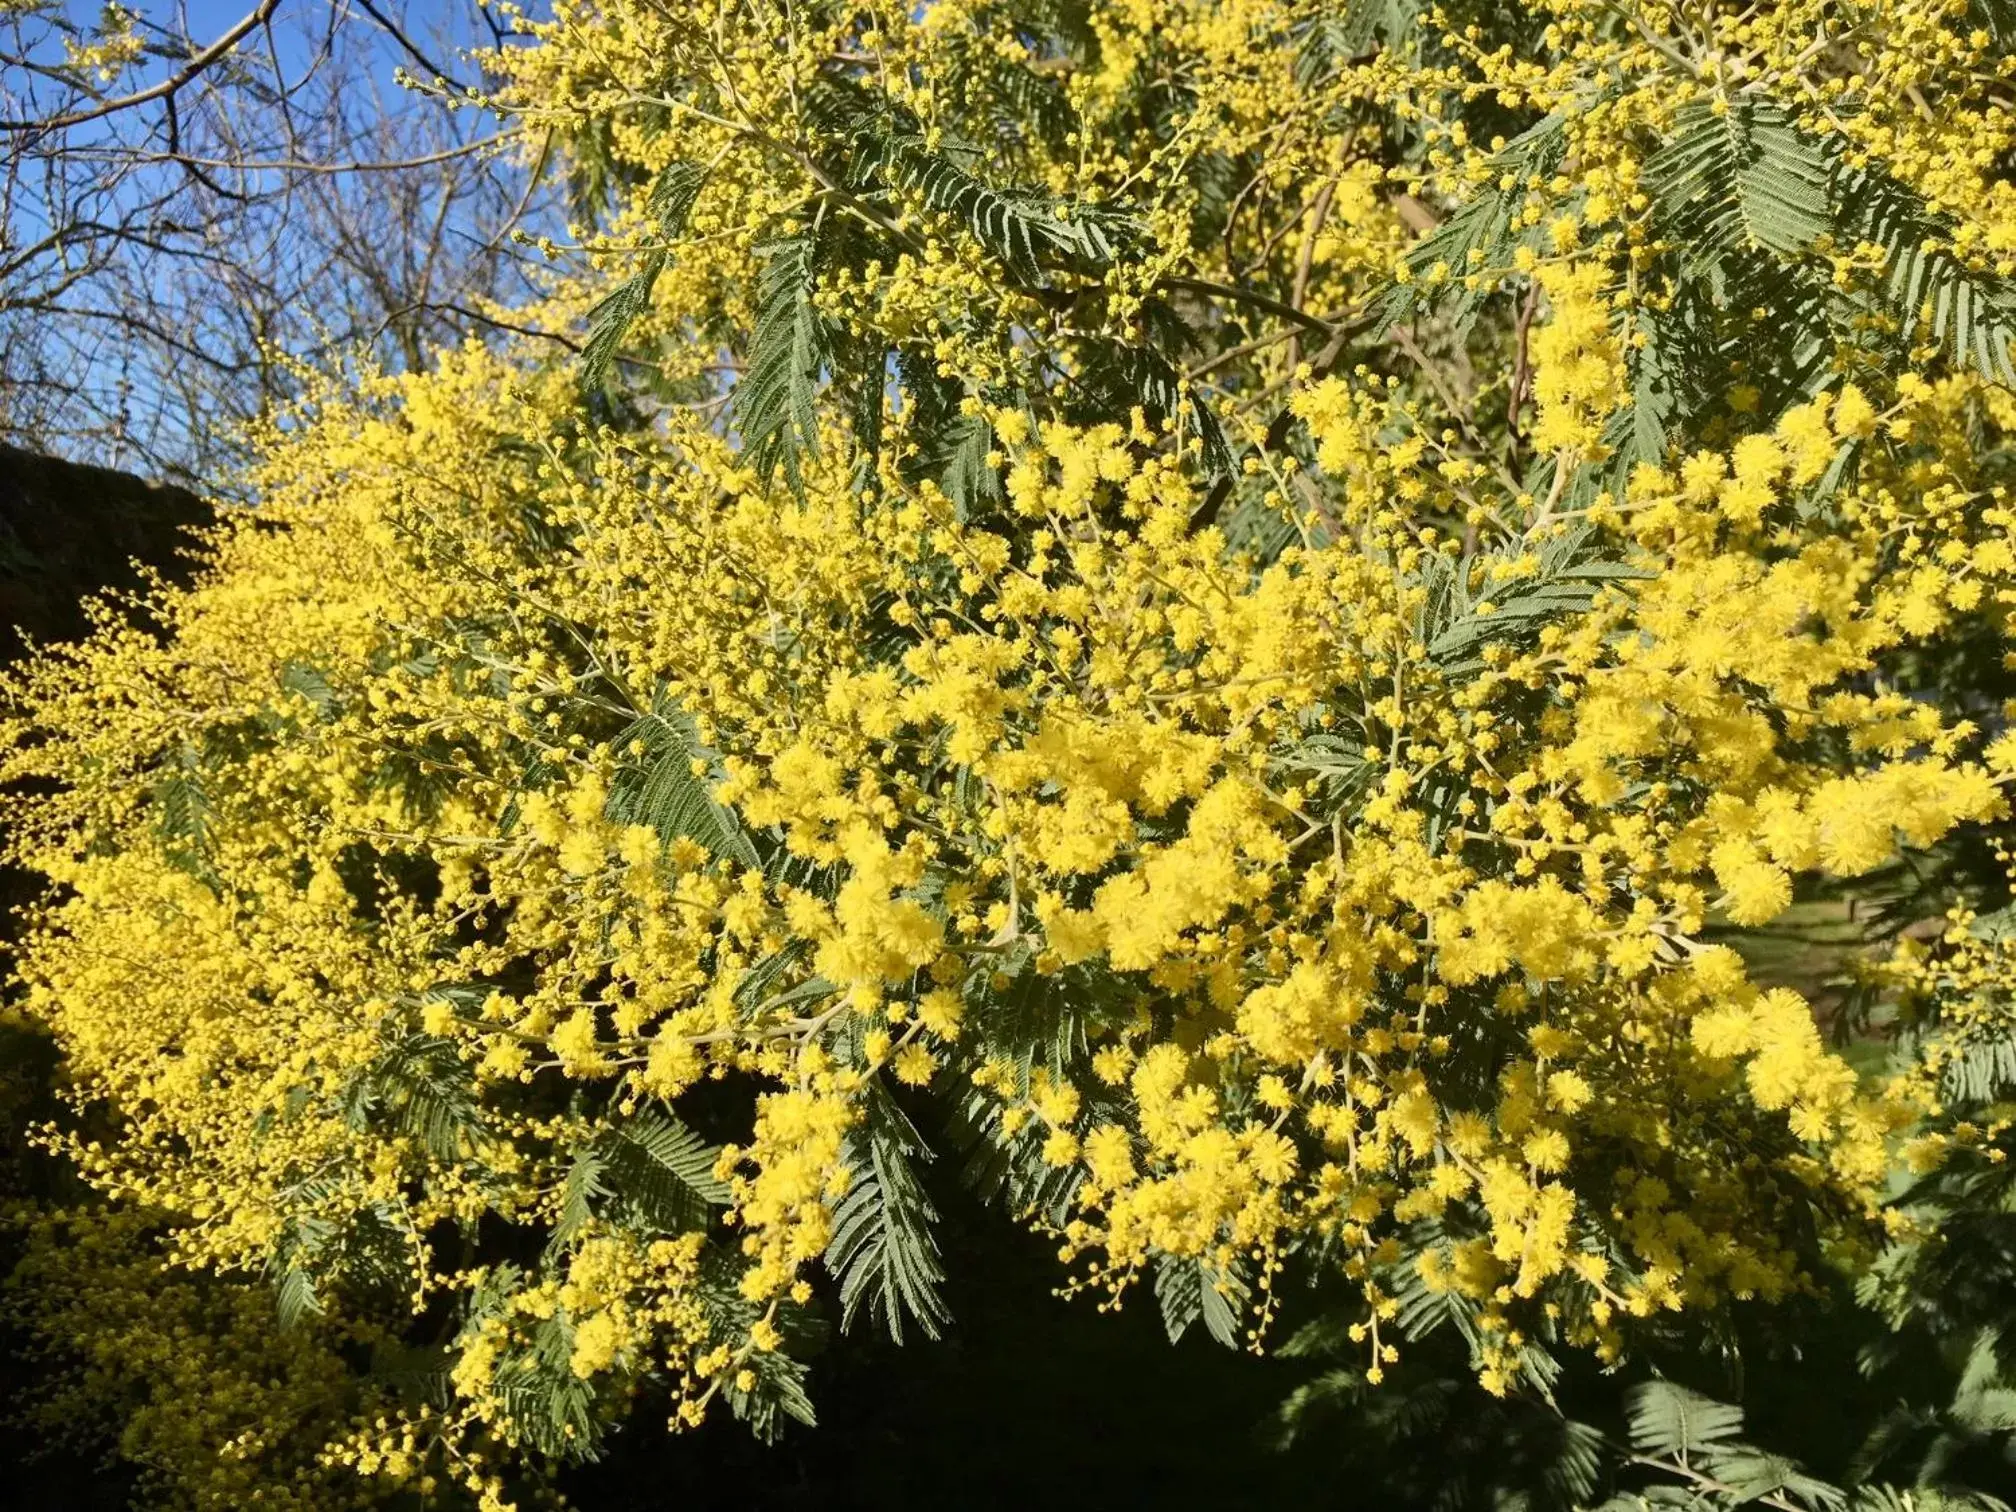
x,y
650,1173
776,401
1019,228
1694,1439
1189,1291
543,1404
672,199
1929,1441
1978,1072
1745,199
1007,1170
1482,233
1118,376
1670,1420
421,1088
777,1392
1341,34
183,813
665,783
1022,229
308,683
952,446
882,1250
1967,314
1481,600
295,1298
1745,202
1741,174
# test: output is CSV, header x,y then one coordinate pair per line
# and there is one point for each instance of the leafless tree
x,y
181,212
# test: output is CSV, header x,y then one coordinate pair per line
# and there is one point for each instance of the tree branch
x,y
168,86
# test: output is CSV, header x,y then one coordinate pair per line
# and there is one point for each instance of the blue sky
x,y
89,353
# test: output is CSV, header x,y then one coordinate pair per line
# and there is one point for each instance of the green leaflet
x,y
1336,36
363,1251
651,1173
1750,180
1480,233
1022,229
422,1088
1969,315
1741,201
1455,625
545,1406
658,786
310,684
952,446
1998,16
779,1389
1670,1419
1335,765
1189,1290
1642,433
964,447
1745,176
183,814
882,1251
672,199
1007,1170
776,401
1127,375
1980,1071
1695,1438
295,1299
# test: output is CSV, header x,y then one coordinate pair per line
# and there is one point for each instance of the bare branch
x,y
166,88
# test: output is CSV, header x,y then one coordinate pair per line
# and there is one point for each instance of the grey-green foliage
x,y
1021,229
1479,235
657,785
1138,373
1746,203
1740,176
874,156
543,1405
1792,191
421,1088
776,401
1998,17
1968,315
1931,1439
878,144
335,1246
308,683
649,1173
952,446
1190,1291
1978,1070
1029,1021
183,813
1694,1440
672,199
1692,1446
1469,605
1007,1170
883,1252
1428,1435
777,1392
1336,35
1749,177
295,1298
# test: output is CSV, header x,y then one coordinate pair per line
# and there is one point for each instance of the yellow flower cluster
x,y
220,1406
1362,857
